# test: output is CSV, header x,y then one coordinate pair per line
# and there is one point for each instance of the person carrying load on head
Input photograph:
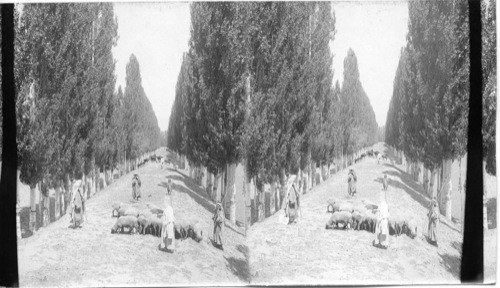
x,y
136,187
382,227
433,216
167,229
77,205
351,182
218,220
292,205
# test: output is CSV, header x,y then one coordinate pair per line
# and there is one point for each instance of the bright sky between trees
x,y
158,34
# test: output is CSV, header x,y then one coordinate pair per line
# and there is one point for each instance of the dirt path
x,y
307,253
91,256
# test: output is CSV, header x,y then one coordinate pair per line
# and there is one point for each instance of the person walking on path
x,y
136,187
433,216
218,219
77,205
384,182
382,228
170,188
167,229
351,182
293,205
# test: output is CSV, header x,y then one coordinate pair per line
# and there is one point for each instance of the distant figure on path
x,y
384,182
433,219
77,207
136,187
293,205
378,158
218,224
170,188
167,229
382,228
351,181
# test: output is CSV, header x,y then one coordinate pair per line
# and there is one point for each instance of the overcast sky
x,y
158,34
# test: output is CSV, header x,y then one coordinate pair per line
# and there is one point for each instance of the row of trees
x,y
256,86
489,58
428,113
70,121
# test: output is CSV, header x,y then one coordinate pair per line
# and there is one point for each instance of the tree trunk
x,y
460,189
231,192
425,183
446,189
299,181
433,186
316,178
32,208
208,186
58,201
282,191
106,177
217,187
247,187
274,195
309,178
43,207
18,221
67,192
485,211
112,176
313,173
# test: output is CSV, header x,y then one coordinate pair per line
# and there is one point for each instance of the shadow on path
x,y
457,246
406,185
412,188
451,263
191,189
197,193
240,267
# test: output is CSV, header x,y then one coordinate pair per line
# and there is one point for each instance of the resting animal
x,y
125,221
117,206
359,208
127,211
146,213
371,206
343,217
346,206
154,209
411,228
195,231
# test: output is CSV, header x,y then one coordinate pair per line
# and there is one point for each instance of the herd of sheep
x,y
147,219
359,215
